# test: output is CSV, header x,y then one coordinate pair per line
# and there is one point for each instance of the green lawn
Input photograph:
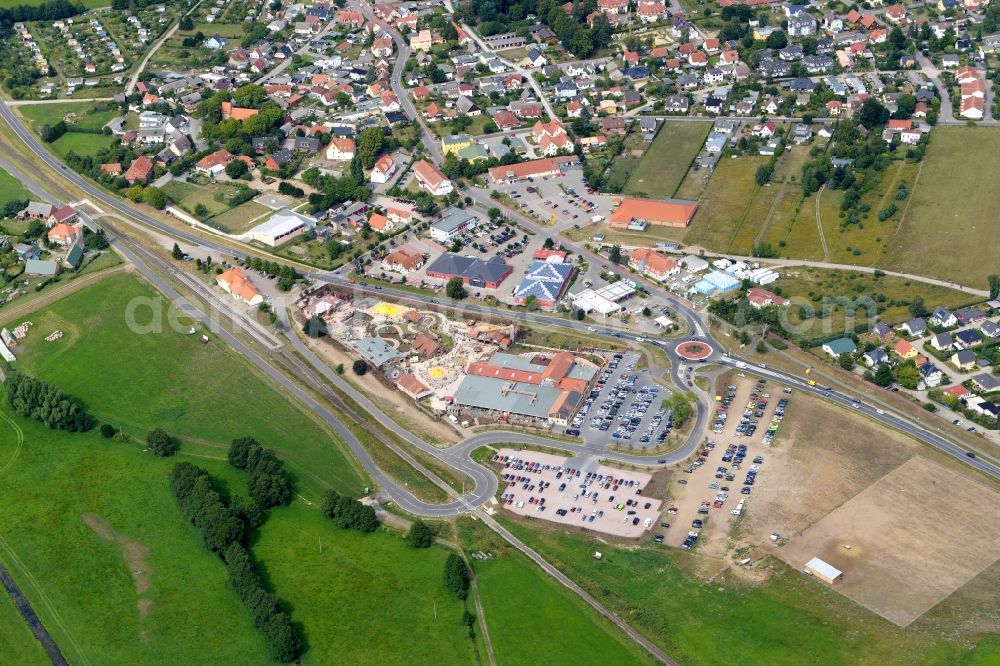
x,y
11,188
87,118
19,645
665,164
81,143
365,598
203,393
947,230
790,619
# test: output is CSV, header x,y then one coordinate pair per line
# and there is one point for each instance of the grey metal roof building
x,y
376,351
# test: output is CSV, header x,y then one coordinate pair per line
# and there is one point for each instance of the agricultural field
x,y
11,189
666,162
175,379
847,298
770,612
942,232
93,536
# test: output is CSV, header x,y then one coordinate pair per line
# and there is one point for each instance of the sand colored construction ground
x,y
915,536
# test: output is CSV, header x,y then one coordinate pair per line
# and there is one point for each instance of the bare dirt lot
x,y
914,536
594,512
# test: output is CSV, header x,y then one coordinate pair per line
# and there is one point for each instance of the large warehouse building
x,y
474,272
542,387
634,211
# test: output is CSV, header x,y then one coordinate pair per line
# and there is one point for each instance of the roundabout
x,y
694,350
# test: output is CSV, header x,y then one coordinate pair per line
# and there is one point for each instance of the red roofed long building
x,y
548,166
658,213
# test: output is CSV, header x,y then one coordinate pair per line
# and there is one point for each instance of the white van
x,y
646,523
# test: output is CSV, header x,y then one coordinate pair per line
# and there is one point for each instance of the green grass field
x,y
203,393
532,618
86,117
732,209
790,619
80,584
89,4
11,188
189,195
665,164
19,646
81,143
946,230
365,598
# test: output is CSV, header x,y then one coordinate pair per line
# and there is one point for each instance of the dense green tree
x,y
369,146
44,402
456,576
315,326
420,535
883,375
236,169
359,367
162,443
176,252
846,361
455,289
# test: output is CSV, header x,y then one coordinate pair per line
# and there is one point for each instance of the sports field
x,y
666,162
949,230
139,378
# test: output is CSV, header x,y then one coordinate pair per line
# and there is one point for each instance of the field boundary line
x,y
18,447
46,601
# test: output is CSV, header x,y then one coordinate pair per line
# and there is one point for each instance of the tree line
x,y
44,402
223,529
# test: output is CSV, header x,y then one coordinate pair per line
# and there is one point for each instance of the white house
x,y
384,169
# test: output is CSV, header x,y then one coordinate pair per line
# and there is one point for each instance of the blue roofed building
x,y
545,281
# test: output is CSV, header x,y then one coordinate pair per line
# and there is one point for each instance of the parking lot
x,y
566,198
591,496
717,486
624,407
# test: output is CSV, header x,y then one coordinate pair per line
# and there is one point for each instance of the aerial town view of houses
x,y
499,332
